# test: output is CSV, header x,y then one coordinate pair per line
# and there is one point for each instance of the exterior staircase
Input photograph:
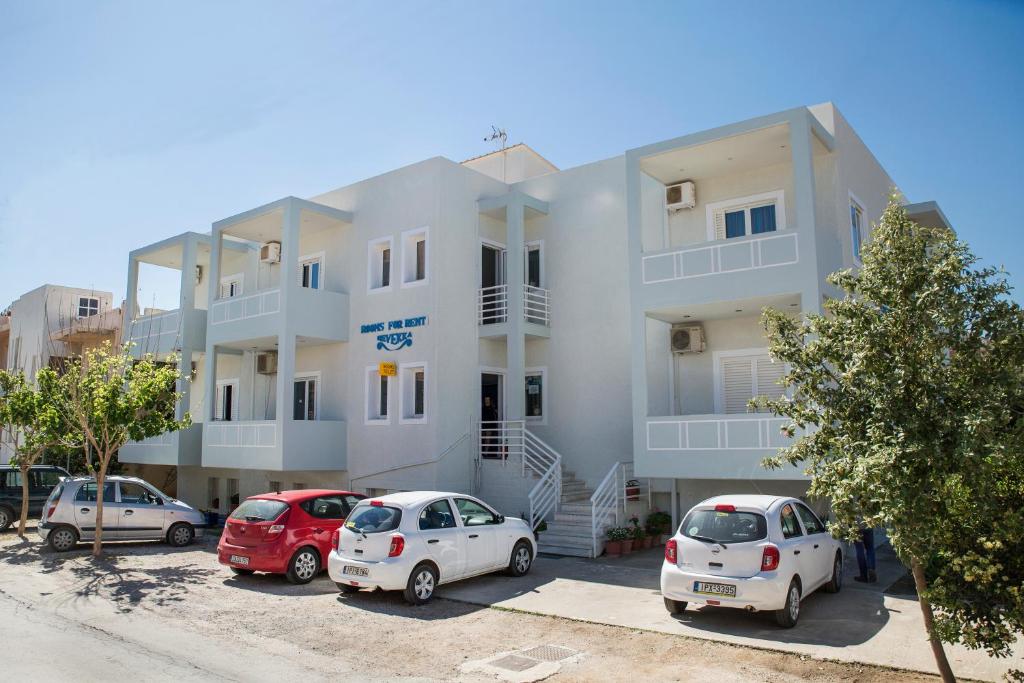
x,y
569,531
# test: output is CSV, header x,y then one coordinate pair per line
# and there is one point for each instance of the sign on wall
x,y
387,369
396,332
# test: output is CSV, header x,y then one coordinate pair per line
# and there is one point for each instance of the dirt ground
x,y
187,594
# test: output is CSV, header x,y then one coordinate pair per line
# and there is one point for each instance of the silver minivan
x,y
133,510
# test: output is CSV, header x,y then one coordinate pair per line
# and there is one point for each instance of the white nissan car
x,y
414,541
750,552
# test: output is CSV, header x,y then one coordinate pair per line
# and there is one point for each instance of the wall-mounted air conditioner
x,y
680,196
687,338
270,252
266,363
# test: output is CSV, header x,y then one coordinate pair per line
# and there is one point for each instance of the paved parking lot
x,y
163,614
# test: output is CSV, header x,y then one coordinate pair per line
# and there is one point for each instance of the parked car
x,y
415,541
41,480
756,553
284,533
133,510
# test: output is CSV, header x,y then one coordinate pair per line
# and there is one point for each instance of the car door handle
x,y
474,535
433,540
320,531
128,512
815,545
85,510
796,552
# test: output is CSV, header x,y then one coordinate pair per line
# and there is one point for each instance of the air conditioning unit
x,y
270,252
680,196
687,339
266,363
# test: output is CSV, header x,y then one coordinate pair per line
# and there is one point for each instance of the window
x,y
233,493
231,286
304,405
275,486
437,515
374,519
136,494
298,486
87,306
46,478
351,501
856,227
413,391
377,386
790,527
87,494
325,507
534,264
810,520
213,492
12,479
473,513
535,394
725,527
378,274
227,400
310,268
753,215
744,374
415,257
259,510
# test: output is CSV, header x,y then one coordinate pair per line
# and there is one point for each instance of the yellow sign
x,y
387,369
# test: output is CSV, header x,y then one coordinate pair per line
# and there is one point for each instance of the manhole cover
x,y
514,663
549,653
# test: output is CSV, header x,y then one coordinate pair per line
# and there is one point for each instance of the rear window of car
x,y
725,527
373,519
259,510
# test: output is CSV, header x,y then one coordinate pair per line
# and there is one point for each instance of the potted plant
x,y
616,536
661,522
640,539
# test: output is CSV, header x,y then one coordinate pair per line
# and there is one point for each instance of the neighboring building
x,y
503,327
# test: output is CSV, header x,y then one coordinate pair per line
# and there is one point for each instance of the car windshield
x,y
259,510
373,519
724,527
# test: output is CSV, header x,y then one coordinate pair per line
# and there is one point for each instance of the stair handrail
x,y
605,504
546,494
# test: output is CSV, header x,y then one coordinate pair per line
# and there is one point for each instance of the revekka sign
x,y
396,335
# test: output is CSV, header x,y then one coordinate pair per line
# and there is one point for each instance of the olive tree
x,y
911,390
110,398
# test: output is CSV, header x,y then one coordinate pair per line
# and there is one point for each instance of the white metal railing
x,y
605,506
492,305
717,432
721,256
634,489
502,440
536,305
231,434
511,442
242,307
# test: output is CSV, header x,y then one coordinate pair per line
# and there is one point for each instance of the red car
x,y
284,533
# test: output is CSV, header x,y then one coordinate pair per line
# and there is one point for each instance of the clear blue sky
x,y
125,123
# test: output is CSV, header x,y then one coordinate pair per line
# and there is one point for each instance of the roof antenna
x,y
498,134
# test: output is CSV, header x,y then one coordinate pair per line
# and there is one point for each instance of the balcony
x,y
165,333
492,311
713,447
276,445
314,314
173,448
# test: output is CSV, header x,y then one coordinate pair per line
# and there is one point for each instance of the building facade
x,y
548,339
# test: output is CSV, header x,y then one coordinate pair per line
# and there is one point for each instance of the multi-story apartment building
x,y
538,336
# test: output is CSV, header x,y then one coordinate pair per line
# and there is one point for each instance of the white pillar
x,y
515,341
213,290
802,147
286,336
186,304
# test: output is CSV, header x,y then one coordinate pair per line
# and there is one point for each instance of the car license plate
x,y
238,559
355,571
714,588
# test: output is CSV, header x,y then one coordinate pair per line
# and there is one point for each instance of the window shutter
x,y
737,383
768,376
719,220
219,413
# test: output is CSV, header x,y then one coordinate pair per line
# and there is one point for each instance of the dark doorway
x,y
491,413
492,277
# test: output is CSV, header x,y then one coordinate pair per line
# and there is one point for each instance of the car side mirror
x,y
159,501
501,519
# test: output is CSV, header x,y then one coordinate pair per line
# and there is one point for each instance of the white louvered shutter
x,y
768,375
737,383
719,221
219,412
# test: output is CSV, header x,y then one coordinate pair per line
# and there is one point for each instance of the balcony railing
x,y
167,332
716,432
492,305
230,434
536,305
723,256
243,307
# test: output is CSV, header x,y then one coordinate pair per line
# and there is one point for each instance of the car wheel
x,y
346,588
521,560
422,582
675,606
304,566
62,539
243,572
6,518
836,583
790,613
180,534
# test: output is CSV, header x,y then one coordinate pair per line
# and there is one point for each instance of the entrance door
x,y
492,410
493,301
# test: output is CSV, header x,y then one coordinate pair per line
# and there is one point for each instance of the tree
x,y
110,398
911,392
30,424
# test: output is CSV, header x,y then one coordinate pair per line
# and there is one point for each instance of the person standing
x,y
865,548
489,416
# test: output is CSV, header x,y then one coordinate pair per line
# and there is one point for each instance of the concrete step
x,y
576,508
565,550
576,498
571,520
577,530
549,538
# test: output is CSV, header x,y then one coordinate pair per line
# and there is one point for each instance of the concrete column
x,y
210,385
286,336
802,148
189,257
131,295
515,277
186,304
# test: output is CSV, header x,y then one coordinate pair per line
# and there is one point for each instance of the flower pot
x,y
627,547
613,548
647,542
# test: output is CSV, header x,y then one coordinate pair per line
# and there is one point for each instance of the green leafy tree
x,y
110,398
911,390
30,424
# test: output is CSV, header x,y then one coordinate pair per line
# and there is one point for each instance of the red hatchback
x,y
284,533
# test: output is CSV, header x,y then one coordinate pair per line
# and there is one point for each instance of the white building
x,y
527,313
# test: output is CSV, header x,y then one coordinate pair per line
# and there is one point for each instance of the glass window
x,y
13,479
373,519
136,494
473,513
762,219
377,386
230,288
47,478
324,507
379,266
385,267
725,527
421,259
226,405
88,306
437,515
535,396
311,274
810,520
351,500
856,228
415,256
259,510
418,410
304,407
87,493
790,527
735,224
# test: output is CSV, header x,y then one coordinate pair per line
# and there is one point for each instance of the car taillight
x,y
53,508
770,559
336,539
397,545
274,530
672,551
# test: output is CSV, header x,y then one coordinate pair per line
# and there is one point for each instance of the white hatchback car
x,y
751,552
414,541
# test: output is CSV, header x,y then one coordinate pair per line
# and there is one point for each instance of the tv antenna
x,y
498,136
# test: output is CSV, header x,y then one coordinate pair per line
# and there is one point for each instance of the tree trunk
x,y
929,623
97,543
23,522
